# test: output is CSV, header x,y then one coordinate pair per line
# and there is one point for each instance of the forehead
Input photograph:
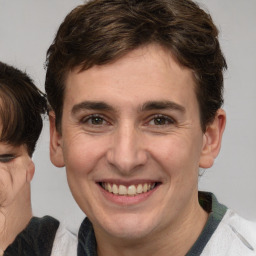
x,y
146,74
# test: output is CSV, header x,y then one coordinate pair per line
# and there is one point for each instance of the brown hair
x,y
102,31
21,106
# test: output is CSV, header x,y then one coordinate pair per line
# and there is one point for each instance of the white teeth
x,y
139,189
115,189
122,190
109,188
132,190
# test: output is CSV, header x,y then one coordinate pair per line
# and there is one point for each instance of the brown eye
x,y
96,120
161,120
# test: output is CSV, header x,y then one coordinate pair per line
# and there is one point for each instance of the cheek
x,y
82,154
12,180
6,184
83,157
4,189
177,155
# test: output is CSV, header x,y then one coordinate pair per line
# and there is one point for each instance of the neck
x,y
176,239
14,217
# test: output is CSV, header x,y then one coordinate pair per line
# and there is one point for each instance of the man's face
x,y
132,143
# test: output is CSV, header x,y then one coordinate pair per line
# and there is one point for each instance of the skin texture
x,y
16,172
126,139
16,167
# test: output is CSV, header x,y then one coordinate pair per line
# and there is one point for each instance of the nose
x,y
127,151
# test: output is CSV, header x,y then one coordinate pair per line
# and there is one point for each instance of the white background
x,y
27,28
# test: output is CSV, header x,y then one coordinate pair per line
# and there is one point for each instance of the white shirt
x,y
65,243
234,236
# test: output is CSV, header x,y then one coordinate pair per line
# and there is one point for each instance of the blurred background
x,y
27,28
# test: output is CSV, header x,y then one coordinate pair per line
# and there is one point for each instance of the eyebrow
x,y
91,105
150,105
162,105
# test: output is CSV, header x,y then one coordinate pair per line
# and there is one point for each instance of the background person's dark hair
x,y
22,105
102,31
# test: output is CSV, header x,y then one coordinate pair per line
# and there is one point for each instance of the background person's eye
x,y
6,158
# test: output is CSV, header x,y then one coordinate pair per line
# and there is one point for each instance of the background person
x,y
21,108
136,92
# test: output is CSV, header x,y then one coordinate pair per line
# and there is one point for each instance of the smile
x,y
131,190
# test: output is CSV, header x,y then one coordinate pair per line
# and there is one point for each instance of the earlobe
x,y
212,140
56,153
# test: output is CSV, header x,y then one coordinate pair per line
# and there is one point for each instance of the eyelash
x,y
6,158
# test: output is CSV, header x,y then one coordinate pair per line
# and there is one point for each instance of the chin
x,y
130,233
128,227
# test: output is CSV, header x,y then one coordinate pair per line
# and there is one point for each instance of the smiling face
x,y
132,143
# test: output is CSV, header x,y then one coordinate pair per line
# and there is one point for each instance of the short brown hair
x,y
102,31
21,107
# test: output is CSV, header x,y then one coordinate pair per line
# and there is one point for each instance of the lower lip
x,y
127,200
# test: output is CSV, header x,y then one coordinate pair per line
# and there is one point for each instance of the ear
x,y
56,153
212,140
30,172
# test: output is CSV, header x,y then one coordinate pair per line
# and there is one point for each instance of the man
x,y
136,93
21,108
